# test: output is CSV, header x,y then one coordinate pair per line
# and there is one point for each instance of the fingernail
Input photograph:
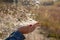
x,y
30,25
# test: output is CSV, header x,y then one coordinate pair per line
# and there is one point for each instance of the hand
x,y
28,29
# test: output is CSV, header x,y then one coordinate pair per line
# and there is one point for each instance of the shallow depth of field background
x,y
47,12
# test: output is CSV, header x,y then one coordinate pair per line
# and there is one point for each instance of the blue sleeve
x,y
16,36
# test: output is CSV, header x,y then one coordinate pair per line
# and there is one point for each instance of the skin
x,y
28,29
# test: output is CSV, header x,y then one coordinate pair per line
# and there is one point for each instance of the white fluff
x,y
28,22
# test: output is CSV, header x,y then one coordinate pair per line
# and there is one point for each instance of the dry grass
x,y
49,18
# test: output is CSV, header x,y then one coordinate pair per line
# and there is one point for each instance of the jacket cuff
x,y
17,35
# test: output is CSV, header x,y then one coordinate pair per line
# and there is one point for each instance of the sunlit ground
x,y
48,17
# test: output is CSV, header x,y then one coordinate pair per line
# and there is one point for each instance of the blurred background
x,y
47,12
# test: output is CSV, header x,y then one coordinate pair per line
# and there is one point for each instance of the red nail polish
x,y
30,25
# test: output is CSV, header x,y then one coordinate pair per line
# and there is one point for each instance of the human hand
x,y
28,29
